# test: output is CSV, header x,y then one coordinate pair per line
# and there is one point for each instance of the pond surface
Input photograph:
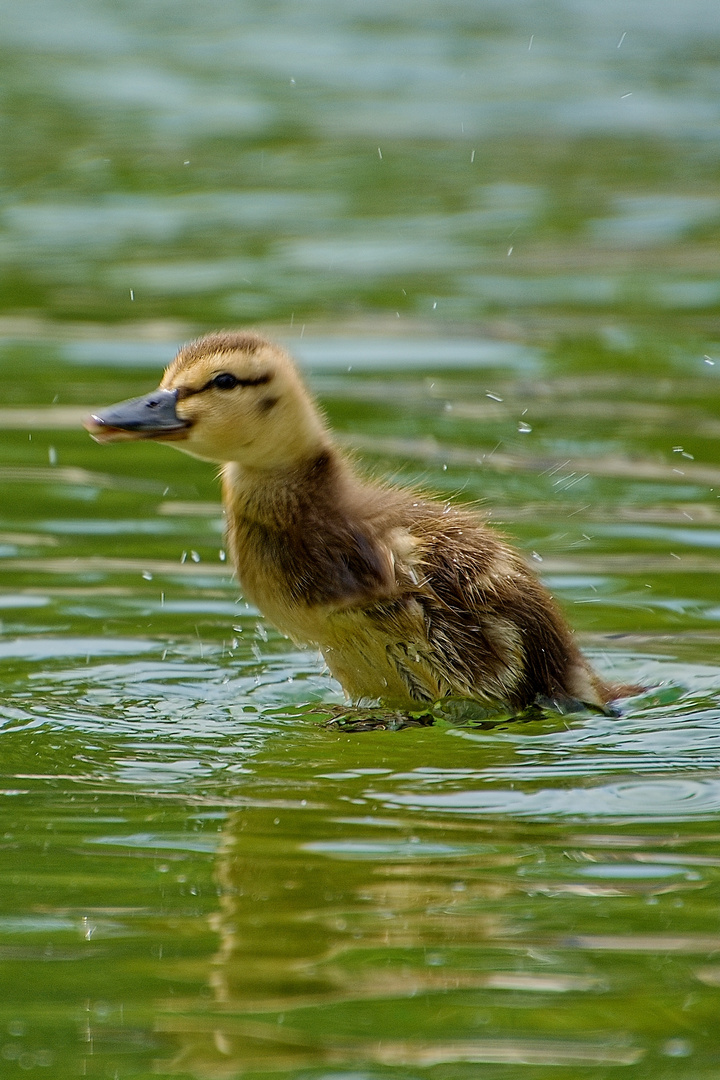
x,y
202,879
489,234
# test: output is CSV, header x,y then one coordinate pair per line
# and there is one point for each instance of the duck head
x,y
225,397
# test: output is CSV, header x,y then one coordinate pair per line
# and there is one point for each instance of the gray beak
x,y
153,416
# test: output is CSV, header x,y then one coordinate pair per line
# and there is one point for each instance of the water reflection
x,y
432,957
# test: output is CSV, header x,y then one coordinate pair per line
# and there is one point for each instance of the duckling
x,y
411,600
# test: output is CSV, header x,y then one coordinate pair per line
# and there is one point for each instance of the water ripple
x,y
639,800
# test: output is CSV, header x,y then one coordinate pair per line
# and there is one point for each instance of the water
x,y
499,272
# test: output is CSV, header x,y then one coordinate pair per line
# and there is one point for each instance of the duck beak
x,y
150,417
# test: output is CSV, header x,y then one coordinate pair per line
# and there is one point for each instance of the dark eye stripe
x,y
227,381
189,391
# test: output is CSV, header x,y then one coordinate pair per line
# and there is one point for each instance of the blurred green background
x,y
287,161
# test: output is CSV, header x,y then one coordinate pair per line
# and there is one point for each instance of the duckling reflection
x,y
410,599
392,949
300,930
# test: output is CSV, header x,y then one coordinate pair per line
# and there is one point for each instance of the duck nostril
x,y
153,403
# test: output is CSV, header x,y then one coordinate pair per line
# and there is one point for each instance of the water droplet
x,y
677,1048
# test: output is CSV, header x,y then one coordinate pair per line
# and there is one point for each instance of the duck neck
x,y
288,498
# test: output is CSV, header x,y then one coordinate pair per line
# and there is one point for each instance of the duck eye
x,y
224,381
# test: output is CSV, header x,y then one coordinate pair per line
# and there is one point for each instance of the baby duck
x,y
410,599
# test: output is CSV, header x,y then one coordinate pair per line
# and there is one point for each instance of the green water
x,y
489,233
